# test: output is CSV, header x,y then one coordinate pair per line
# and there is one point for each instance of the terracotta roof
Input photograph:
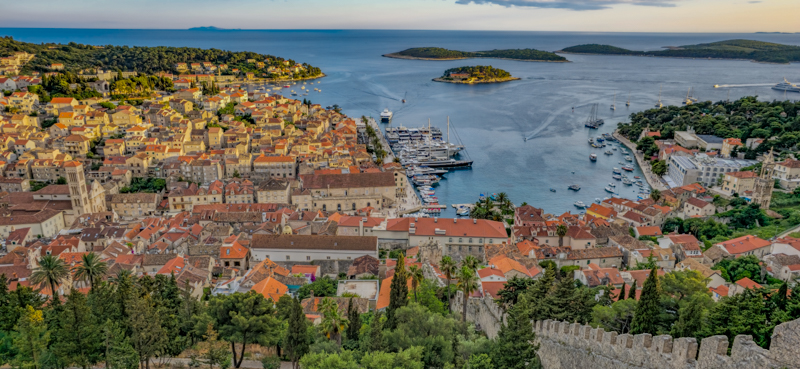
x,y
487,272
236,251
479,228
603,211
352,180
270,288
492,289
743,244
697,202
748,283
305,269
315,242
649,231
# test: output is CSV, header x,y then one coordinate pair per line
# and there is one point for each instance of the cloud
x,y
754,2
570,4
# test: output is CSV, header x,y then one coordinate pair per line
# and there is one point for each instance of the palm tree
x,y
502,197
655,195
416,278
561,231
467,283
448,267
51,270
333,322
470,262
91,269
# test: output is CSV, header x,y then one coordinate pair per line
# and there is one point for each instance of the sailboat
x,y
659,104
689,99
592,121
628,103
614,105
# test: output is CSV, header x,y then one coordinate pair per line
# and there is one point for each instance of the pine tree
x,y
375,341
398,295
632,291
781,298
515,348
296,340
355,321
31,338
647,310
119,353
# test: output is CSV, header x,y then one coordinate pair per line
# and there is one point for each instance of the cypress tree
x,y
690,320
622,295
632,292
355,321
514,347
647,310
296,340
375,339
781,297
398,295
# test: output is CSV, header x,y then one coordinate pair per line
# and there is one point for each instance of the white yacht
x,y
386,116
786,86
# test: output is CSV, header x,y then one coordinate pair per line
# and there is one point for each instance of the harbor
x,y
427,155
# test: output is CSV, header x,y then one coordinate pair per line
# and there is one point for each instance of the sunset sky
x,y
529,15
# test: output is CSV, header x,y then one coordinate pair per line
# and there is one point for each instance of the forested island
x,y
76,57
475,74
438,53
731,49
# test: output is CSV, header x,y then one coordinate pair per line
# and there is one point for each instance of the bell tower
x,y
762,193
77,188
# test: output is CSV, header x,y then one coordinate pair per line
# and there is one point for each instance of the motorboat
x,y
627,182
617,177
609,189
637,177
593,157
552,190
580,204
609,152
628,158
575,187
612,185
616,171
597,200
628,168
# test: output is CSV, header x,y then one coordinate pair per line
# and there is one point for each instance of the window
x,y
236,263
308,257
329,258
348,258
460,240
288,257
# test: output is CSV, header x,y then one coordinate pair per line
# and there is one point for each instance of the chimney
x,y
474,221
361,227
435,220
455,220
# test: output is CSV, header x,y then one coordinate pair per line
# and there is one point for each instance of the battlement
x,y
565,345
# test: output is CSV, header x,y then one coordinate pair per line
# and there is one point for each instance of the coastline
x,y
657,184
671,57
398,56
440,79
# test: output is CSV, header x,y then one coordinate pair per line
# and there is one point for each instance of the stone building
x,y
345,192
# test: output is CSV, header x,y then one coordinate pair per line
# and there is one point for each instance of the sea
x,y
524,137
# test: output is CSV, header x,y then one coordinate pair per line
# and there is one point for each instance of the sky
x,y
518,15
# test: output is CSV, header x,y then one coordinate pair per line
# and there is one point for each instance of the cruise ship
x,y
386,116
786,86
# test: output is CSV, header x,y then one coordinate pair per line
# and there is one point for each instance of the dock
x,y
652,179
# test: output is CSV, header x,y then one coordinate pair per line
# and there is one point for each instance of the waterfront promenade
x,y
653,180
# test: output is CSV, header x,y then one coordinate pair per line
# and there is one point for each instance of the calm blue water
x,y
492,120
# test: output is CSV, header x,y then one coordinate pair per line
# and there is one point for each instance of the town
x,y
222,188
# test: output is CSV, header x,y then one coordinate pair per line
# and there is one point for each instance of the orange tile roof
x,y
235,251
305,269
748,283
743,244
271,288
649,231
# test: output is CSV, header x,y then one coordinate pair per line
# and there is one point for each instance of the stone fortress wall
x,y
563,345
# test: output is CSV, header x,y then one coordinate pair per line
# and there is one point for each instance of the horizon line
x,y
215,29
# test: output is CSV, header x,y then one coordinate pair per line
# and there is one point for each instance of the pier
x,y
653,180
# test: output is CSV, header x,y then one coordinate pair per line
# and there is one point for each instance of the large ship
x,y
386,116
786,86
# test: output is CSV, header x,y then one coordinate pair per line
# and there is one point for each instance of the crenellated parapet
x,y
565,345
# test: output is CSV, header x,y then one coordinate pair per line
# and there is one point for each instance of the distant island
x,y
759,51
438,53
212,28
475,74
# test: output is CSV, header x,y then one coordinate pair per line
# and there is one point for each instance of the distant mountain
x,y
210,28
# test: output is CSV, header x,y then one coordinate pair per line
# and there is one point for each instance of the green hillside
x,y
730,49
446,54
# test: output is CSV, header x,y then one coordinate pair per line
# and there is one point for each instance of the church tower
x,y
77,188
762,192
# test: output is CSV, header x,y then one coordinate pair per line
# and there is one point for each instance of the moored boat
x,y
575,187
593,157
